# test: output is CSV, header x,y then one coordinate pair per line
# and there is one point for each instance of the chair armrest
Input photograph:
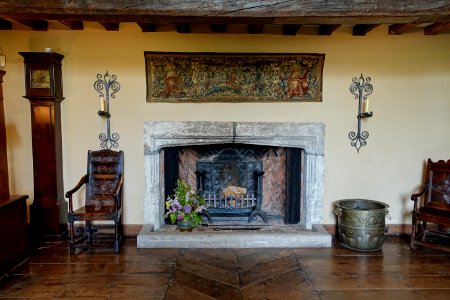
x,y
116,192
80,183
415,197
69,194
118,186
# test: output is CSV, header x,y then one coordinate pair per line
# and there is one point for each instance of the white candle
x,y
366,106
2,60
102,103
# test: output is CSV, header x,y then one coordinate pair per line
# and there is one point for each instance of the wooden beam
x,y
255,28
147,27
363,29
111,26
183,27
38,25
232,12
5,24
328,29
436,28
397,29
73,25
219,28
215,8
291,29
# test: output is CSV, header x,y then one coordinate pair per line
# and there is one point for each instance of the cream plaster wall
x,y
410,74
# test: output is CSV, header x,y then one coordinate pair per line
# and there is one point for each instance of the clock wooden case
x,y
43,74
43,87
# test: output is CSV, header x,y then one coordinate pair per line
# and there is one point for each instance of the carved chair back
x,y
438,185
104,169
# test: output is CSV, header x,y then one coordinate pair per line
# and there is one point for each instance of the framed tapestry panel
x,y
233,77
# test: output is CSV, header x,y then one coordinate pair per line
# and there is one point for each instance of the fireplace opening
x,y
229,177
240,182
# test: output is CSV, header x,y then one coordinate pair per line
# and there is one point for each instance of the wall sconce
x,y
361,88
107,83
2,58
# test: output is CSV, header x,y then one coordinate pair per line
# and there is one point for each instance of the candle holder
x,y
361,88
109,85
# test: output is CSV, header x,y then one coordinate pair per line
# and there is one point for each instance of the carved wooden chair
x,y
103,201
435,208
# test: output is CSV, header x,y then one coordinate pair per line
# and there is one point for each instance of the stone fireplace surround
x,y
160,134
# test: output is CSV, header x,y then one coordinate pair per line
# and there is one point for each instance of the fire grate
x,y
238,205
230,179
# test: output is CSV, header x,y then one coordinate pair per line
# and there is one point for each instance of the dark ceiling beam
x,y
328,29
363,29
183,27
397,29
73,25
278,13
250,8
255,28
37,25
259,19
291,29
218,28
147,27
436,28
5,24
110,26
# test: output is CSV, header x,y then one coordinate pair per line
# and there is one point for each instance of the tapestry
x,y
233,77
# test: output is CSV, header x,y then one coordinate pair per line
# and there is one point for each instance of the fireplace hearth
x,y
307,138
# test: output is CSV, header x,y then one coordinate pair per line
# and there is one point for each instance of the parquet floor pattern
x,y
395,272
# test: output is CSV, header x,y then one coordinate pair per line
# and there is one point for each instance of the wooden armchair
x,y
103,201
435,208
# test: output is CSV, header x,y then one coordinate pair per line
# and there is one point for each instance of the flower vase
x,y
185,225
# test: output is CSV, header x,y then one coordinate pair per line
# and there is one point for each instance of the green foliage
x,y
185,204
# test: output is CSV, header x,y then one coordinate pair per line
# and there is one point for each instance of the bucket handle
x,y
338,211
387,214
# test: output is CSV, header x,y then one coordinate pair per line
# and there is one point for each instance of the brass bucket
x,y
361,223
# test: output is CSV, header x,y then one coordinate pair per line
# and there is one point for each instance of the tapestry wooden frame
x,y
233,77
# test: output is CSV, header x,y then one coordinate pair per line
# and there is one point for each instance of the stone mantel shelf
x,y
308,136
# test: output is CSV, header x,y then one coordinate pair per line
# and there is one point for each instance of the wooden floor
x,y
395,272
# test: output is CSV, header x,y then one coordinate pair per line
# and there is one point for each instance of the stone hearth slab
x,y
235,237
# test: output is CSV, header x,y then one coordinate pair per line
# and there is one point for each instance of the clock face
x,y
40,79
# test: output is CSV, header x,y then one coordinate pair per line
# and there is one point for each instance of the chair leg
x,y
117,233
89,231
424,231
72,238
412,244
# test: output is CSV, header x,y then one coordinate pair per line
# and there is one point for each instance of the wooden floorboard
x,y
394,272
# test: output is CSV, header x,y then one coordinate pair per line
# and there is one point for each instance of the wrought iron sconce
x,y
361,88
110,86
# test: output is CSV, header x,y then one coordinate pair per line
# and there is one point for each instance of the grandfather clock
x,y
4,181
43,85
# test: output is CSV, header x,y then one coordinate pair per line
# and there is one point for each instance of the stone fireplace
x,y
306,136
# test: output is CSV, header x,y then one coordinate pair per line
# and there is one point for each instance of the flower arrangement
x,y
185,204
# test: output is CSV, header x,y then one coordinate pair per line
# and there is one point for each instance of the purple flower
x,y
180,217
187,209
200,208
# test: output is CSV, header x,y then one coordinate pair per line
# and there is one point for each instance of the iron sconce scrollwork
x,y
107,86
361,88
